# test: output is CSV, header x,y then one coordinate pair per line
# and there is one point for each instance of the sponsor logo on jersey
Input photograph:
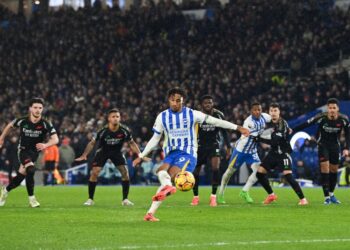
x,y
31,133
120,135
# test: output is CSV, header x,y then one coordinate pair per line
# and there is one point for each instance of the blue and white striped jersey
x,y
256,127
180,130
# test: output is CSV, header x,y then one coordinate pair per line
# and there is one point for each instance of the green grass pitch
x,y
62,222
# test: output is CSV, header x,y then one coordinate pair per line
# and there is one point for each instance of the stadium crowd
x,y
87,61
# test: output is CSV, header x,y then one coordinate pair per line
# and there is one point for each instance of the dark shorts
x,y
50,165
101,158
205,154
25,156
329,153
276,161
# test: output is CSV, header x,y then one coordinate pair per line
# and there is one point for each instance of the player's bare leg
x,y
95,171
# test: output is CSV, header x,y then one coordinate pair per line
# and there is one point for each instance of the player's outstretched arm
x,y
309,122
52,141
5,133
87,151
226,125
149,147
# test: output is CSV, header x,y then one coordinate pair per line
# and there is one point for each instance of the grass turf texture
x,y
62,222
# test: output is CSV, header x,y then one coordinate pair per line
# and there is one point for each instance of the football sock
x,y
155,204
92,187
215,181
164,178
125,187
15,182
225,179
325,184
30,184
196,184
295,185
252,178
262,178
333,178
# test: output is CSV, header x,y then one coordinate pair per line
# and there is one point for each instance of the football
x,y
184,181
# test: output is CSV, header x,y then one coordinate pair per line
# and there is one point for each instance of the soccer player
x,y
178,124
110,142
33,132
278,156
209,149
246,152
330,125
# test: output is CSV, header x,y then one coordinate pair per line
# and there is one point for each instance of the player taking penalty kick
x,y
178,124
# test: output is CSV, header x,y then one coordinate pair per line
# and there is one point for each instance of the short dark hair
x,y
113,110
333,101
36,100
177,90
255,104
205,97
275,105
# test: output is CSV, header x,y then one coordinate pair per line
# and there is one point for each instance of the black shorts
x,y
280,162
205,154
101,157
50,165
329,153
25,156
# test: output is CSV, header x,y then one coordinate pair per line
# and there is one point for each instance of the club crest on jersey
x,y
39,127
185,122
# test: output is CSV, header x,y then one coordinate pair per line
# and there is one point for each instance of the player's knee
x,y
95,172
253,177
261,170
285,172
22,170
333,168
125,176
324,166
255,167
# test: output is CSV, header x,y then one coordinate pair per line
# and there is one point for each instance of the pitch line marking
x,y
218,244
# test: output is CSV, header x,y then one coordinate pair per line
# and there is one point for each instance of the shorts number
x,y
182,159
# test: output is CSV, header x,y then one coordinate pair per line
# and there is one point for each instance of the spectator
x,y
67,154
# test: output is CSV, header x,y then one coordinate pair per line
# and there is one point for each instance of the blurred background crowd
x,y
84,62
